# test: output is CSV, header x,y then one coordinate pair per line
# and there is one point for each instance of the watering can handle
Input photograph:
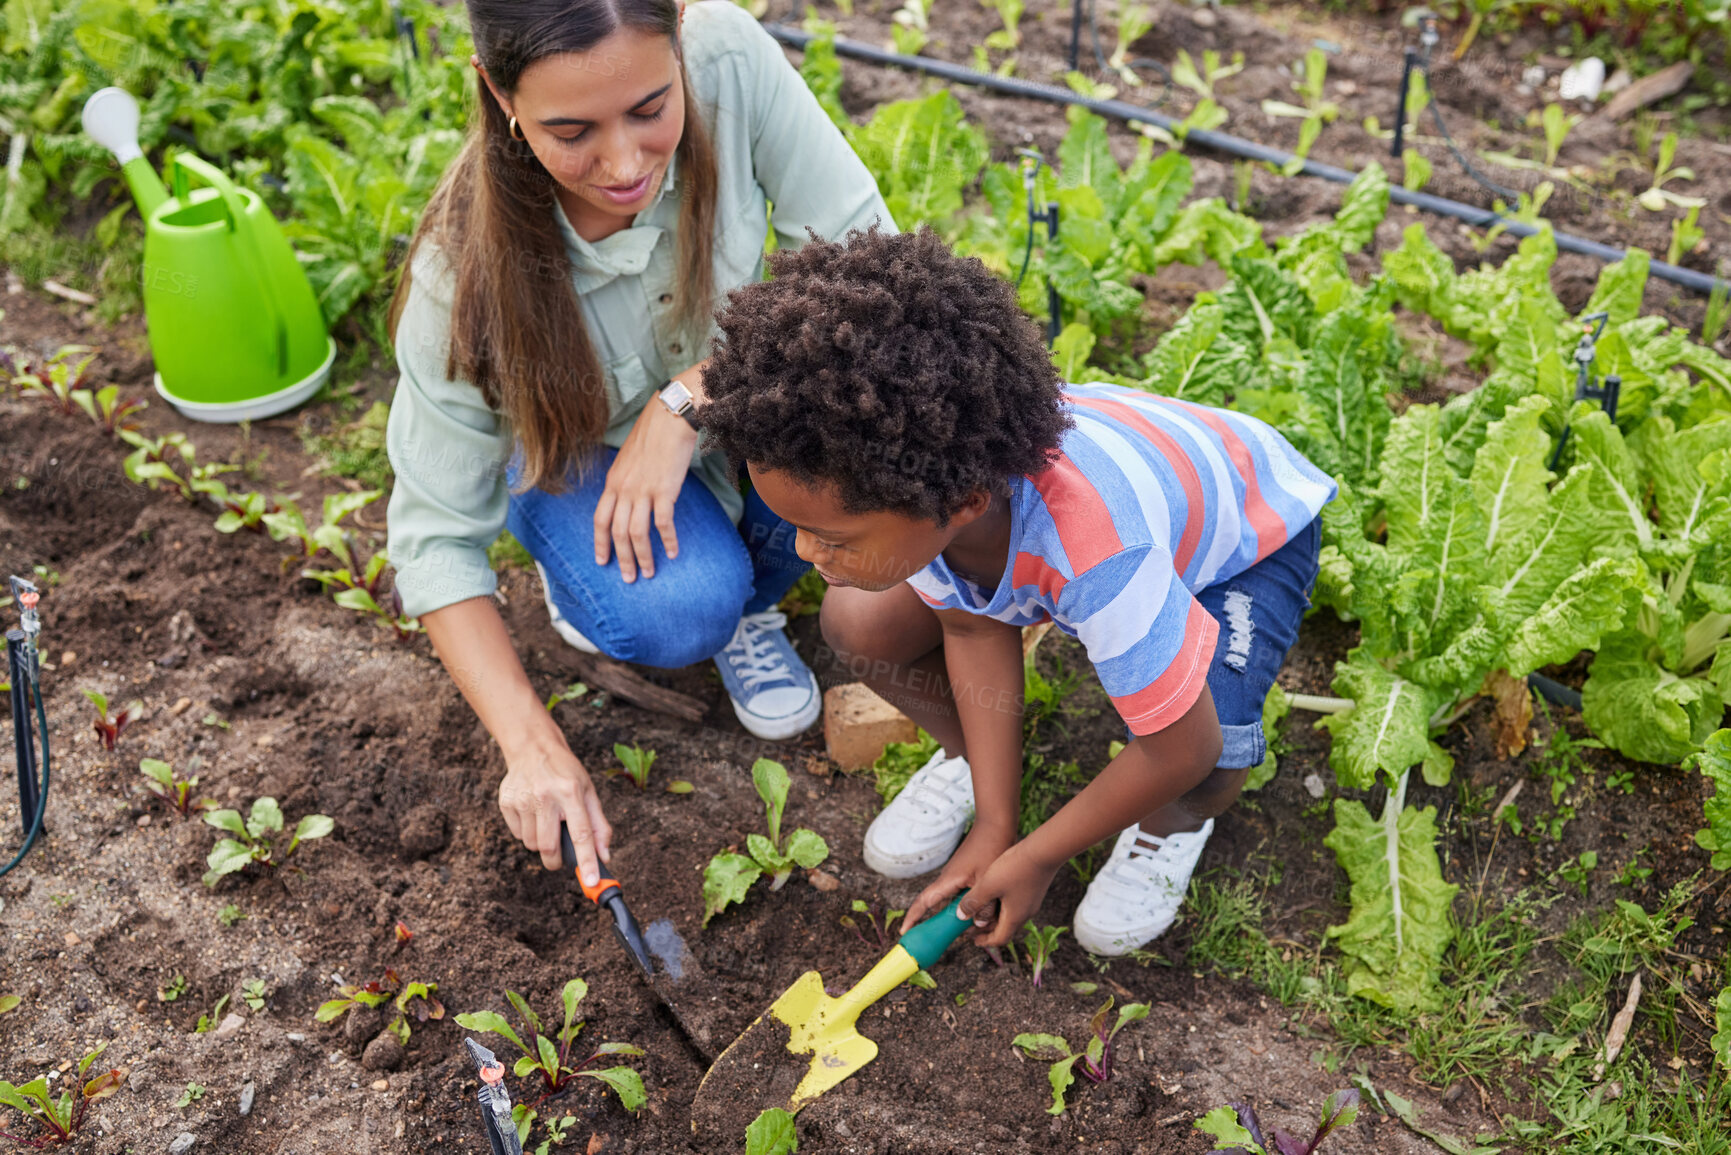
x,y
235,207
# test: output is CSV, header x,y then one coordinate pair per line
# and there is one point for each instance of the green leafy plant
x,y
911,27
1314,113
729,875
1134,22
58,381
772,1133
288,523
1718,309
208,1022
356,449
1657,195
1686,235
107,409
256,838
569,694
1094,1059
230,914
1237,1131
1004,39
899,762
1556,122
1576,872
1202,80
1039,943
254,993
552,1057
110,727
1714,763
172,990
189,1095
406,999
161,780
634,763
58,1118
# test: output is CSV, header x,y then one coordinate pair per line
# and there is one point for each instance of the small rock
x,y
384,1053
72,938
229,1027
382,1084
1204,18
425,830
842,1129
1346,88
1313,785
247,1094
264,740
1583,80
821,880
183,1142
143,820
180,707
67,658
1533,76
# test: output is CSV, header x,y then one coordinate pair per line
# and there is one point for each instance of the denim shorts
x,y
1259,612
688,611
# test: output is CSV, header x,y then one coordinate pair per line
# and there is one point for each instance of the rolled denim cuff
x,y
1242,746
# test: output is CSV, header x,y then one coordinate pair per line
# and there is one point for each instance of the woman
x,y
549,328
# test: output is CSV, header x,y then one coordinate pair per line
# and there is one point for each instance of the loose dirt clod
x,y
384,1053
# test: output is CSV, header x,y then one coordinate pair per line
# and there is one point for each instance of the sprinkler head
x,y
111,119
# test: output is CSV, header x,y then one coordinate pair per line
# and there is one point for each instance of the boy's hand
x,y
978,851
1017,881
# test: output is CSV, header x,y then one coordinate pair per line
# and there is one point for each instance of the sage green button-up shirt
x,y
773,144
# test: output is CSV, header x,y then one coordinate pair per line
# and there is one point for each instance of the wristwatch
x,y
677,398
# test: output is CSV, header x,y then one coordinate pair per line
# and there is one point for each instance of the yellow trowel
x,y
807,1042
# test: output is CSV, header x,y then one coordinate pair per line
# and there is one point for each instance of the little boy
x,y
893,403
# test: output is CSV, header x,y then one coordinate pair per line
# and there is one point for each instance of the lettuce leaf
x,y
1714,762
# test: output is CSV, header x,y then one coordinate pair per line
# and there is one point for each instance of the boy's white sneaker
x,y
560,626
1136,895
919,830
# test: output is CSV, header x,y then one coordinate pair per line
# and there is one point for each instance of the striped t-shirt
x,y
1149,501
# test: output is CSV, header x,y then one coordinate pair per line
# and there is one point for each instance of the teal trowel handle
x,y
928,941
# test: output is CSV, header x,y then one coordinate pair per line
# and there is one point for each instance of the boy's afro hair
x,y
901,374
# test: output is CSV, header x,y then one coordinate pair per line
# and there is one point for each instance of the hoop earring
x,y
516,133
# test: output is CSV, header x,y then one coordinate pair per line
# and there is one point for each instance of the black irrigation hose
x,y
23,693
1235,146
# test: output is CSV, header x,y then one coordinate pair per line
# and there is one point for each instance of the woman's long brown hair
x,y
516,330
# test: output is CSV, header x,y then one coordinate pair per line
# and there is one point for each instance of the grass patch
x,y
356,449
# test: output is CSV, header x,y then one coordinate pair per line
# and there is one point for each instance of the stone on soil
x,y
857,724
183,1143
247,1094
384,1053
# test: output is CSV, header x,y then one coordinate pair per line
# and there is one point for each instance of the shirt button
x,y
676,347
666,298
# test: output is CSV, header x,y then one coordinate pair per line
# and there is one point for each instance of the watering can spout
x,y
111,119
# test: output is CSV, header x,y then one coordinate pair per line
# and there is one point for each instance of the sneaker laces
x,y
1148,854
942,789
753,651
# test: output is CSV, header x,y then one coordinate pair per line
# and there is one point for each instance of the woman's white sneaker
x,y
1136,895
919,830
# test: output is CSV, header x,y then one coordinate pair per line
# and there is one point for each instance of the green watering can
x,y
235,329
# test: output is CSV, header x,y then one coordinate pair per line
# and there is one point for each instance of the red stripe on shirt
x,y
1177,460
1270,530
1031,570
1170,696
1085,528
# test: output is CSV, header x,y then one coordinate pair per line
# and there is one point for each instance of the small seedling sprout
x,y
59,1117
1237,1130
254,839
881,932
161,780
772,1133
730,874
406,998
551,1057
1093,1060
110,728
634,763
1040,942
253,993
1657,195
207,1023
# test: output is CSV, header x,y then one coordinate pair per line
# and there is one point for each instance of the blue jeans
x,y
688,611
1259,612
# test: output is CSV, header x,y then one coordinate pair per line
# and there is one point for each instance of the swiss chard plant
x,y
153,460
882,938
1237,1131
58,1118
553,1058
162,781
288,523
1094,1060
406,998
730,874
108,726
1039,942
634,763
256,838
1714,762
60,381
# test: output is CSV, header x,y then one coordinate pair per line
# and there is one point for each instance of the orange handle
x,y
604,883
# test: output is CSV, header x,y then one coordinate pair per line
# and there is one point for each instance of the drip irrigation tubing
x,y
1232,146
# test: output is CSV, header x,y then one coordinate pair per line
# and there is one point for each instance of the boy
x,y
894,404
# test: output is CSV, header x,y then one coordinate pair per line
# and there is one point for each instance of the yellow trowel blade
x,y
805,1044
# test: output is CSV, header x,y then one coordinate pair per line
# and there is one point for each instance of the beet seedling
x,y
59,1118
407,998
254,841
148,463
1237,1130
289,523
1040,942
634,763
1095,1059
177,792
107,727
729,876
551,1057
58,379
880,930
107,409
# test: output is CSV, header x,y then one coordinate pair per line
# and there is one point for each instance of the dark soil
x,y
310,704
